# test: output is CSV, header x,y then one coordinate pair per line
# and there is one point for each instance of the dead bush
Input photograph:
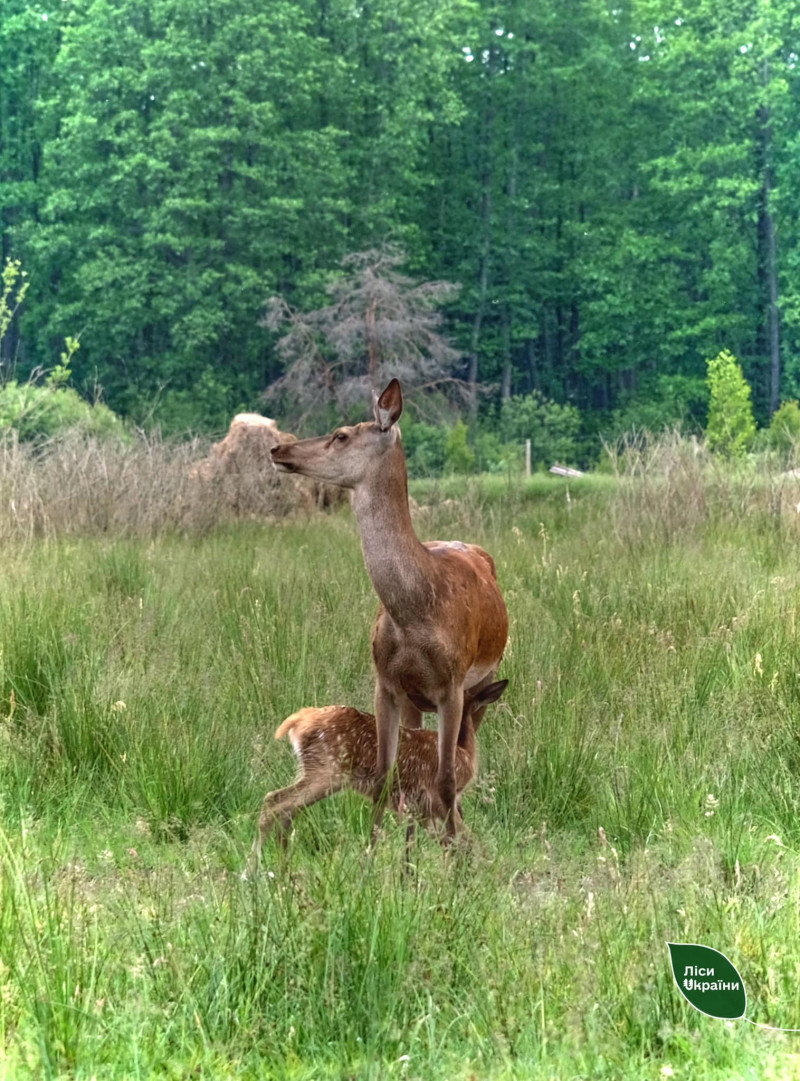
x,y
78,485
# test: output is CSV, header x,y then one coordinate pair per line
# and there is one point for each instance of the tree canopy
x,y
612,188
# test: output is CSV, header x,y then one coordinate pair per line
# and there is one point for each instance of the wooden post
x,y
527,457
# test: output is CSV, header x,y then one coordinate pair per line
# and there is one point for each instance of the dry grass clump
x,y
240,469
670,484
76,485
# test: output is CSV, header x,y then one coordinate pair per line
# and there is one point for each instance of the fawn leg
x,y
280,807
410,836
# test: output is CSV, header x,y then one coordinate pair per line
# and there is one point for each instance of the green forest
x,y
613,190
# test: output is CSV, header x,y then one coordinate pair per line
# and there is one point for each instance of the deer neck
x,y
396,561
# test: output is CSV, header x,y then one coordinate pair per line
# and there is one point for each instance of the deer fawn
x,y
336,749
442,623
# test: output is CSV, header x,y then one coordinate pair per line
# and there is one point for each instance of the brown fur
x,y
336,748
442,624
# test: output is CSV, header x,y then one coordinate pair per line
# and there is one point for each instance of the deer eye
x,y
340,437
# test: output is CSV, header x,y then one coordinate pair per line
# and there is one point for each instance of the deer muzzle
x,y
281,458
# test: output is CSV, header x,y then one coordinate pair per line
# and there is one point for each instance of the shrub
x,y
494,456
552,428
731,425
459,455
40,410
425,446
44,410
668,402
783,433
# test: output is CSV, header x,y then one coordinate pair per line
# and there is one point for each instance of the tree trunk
x,y
770,258
505,385
372,345
486,237
472,371
773,318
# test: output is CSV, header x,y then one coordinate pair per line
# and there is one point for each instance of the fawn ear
x,y
421,702
489,694
389,406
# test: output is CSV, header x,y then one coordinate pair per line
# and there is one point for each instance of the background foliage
x,y
614,189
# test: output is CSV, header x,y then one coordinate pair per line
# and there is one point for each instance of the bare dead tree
x,y
379,325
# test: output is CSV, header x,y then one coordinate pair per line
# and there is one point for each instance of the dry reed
x,y
143,487
669,485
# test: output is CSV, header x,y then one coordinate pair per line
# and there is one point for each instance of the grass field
x,y
639,783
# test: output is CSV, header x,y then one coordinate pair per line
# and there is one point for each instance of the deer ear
x,y
490,693
389,406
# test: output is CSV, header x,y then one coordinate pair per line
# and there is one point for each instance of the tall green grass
x,y
638,783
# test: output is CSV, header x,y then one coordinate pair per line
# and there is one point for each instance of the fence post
x,y
527,457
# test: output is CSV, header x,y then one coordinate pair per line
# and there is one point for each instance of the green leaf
x,y
707,980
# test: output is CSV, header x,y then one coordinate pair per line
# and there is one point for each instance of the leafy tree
x,y
29,38
668,401
14,288
731,426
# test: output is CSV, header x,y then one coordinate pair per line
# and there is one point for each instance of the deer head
x,y
475,702
349,455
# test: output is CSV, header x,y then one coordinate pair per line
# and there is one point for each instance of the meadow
x,y
638,784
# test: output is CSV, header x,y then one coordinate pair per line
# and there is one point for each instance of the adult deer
x,y
336,746
442,624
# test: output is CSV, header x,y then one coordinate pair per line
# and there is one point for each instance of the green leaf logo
x,y
708,980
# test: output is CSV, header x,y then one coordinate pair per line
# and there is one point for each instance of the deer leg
x,y
449,724
280,807
387,722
